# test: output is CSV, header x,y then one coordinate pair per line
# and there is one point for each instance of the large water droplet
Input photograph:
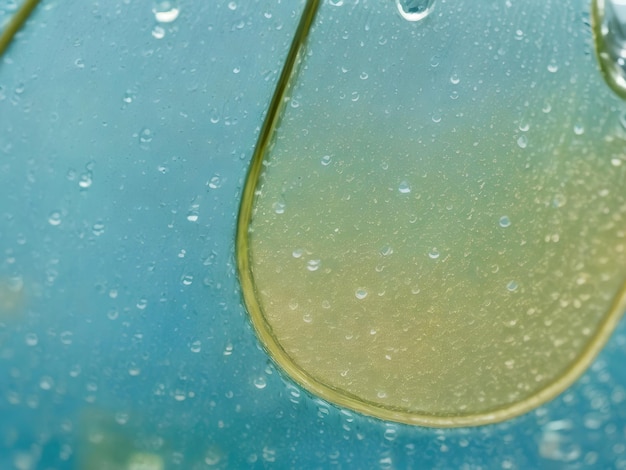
x,y
415,10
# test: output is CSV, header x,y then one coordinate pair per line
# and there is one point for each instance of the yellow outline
x,y
325,391
16,23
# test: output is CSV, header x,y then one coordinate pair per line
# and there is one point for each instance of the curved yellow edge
x,y
331,394
16,23
609,69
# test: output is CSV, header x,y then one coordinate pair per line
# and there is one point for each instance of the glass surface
x,y
124,145
447,249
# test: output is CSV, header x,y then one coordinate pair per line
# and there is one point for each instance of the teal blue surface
x,y
122,159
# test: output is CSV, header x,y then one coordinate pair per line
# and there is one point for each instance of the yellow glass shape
x,y
433,230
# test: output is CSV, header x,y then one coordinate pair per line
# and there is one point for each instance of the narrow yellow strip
x,y
273,113
16,23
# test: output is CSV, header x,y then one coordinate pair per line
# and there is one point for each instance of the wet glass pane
x,y
126,131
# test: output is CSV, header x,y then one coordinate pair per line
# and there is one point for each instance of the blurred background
x,y
126,130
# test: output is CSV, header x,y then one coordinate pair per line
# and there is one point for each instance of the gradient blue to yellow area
x,y
126,131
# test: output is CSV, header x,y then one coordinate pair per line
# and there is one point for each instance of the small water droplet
x,y
363,76
313,264
46,383
326,159
97,229
187,280
522,141
196,346
279,207
54,218
215,182
165,11
260,383
504,221
512,286
145,136
553,68
66,337
415,10
193,216
433,254
360,293
85,180
31,339
404,187
297,253
579,129
454,79
386,250
113,314
142,304
158,32
129,96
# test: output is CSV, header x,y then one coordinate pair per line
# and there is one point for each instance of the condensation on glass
x,y
438,234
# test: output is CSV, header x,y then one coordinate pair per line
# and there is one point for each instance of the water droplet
x,y
504,221
196,346
215,182
391,433
142,304
158,32
279,207
326,159
360,293
134,370
454,79
31,339
192,216
46,383
113,314
553,68
404,188
66,337
260,383
297,253
165,11
386,250
232,6
97,229
433,254
187,279
54,218
85,180
512,286
313,264
129,96
145,136
579,129
414,10
522,141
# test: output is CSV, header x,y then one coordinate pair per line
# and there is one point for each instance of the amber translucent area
x,y
438,236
